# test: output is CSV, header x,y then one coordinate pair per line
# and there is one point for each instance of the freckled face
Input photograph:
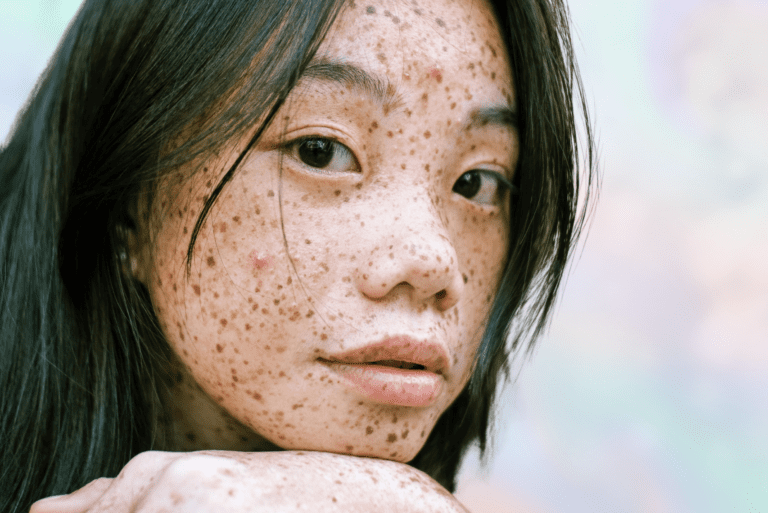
x,y
373,210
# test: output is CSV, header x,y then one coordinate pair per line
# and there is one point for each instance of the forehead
x,y
427,41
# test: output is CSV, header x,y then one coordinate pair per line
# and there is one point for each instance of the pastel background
x,y
649,393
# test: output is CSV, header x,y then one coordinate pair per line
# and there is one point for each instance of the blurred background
x,y
649,392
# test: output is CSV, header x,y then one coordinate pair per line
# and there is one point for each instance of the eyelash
x,y
317,144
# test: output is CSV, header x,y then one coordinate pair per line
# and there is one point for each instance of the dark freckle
x,y
427,134
191,437
219,348
185,230
453,105
247,327
370,9
236,219
493,75
424,97
211,262
323,336
208,183
465,278
368,430
391,438
374,125
440,23
270,193
337,192
223,322
358,186
196,288
307,241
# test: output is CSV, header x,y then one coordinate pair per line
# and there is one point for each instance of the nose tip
x,y
429,270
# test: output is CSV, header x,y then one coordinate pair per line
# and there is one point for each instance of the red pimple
x,y
260,261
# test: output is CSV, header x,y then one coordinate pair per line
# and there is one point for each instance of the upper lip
x,y
401,348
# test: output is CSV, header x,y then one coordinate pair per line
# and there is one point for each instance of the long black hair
x,y
81,352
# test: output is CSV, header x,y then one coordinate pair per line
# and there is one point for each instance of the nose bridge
x,y
414,248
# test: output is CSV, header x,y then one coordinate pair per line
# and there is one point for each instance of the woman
x,y
243,227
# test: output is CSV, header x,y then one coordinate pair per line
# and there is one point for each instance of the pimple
x,y
260,261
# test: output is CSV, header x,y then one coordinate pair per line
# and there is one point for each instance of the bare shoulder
x,y
354,482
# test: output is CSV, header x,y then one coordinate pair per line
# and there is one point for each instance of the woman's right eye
x,y
325,154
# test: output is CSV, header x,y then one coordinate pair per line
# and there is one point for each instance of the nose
x,y
413,251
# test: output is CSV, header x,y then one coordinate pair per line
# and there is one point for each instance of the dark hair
x,y
82,352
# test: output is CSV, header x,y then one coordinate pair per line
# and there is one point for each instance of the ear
x,y
134,248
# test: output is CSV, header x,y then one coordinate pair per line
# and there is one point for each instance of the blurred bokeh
x,y
649,393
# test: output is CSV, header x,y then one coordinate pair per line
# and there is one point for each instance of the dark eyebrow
x,y
356,78
497,115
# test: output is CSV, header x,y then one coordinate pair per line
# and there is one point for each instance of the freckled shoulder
x,y
336,482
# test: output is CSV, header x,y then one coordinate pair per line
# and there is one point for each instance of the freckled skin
x,y
378,249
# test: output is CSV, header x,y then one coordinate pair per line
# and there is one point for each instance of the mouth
x,y
399,364
401,352
399,371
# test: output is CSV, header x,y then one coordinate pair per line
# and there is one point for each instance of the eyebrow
x,y
386,93
355,77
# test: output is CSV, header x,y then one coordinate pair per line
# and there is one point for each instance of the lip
x,y
385,383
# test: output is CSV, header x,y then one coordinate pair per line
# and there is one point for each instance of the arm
x,y
288,481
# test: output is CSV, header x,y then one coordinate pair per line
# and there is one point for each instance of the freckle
x,y
219,348
368,430
424,97
453,105
297,406
191,437
323,336
404,434
440,23
370,9
391,438
257,210
211,262
216,295
427,134
208,184
185,230
223,227
280,349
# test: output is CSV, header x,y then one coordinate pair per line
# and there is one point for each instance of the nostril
x,y
441,294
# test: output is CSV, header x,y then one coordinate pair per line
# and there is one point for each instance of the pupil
x,y
316,152
468,184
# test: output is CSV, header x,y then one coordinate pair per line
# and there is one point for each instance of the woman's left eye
x,y
324,154
484,187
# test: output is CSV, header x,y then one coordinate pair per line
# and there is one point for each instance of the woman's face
x,y
340,284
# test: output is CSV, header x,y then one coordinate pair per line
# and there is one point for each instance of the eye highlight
x,y
483,187
323,154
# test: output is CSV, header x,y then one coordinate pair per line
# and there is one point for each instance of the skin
x,y
296,263
375,244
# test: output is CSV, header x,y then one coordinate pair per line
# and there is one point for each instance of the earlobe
x,y
132,248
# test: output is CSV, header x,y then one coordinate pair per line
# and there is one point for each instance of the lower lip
x,y
390,385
